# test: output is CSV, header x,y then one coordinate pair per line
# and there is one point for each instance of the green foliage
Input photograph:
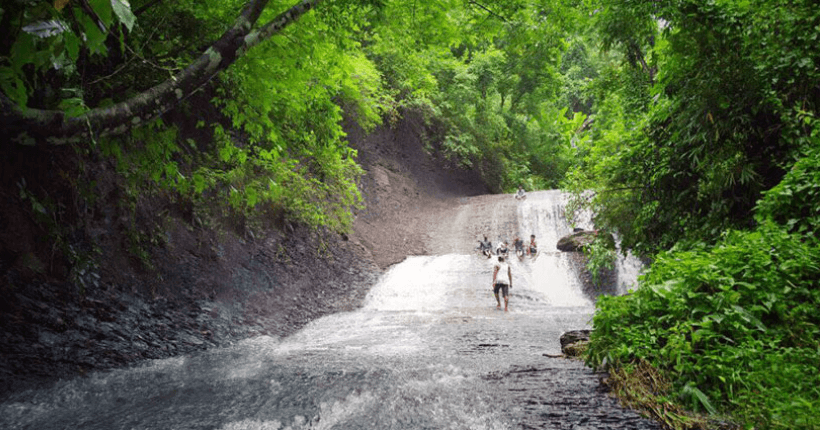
x,y
296,158
734,327
701,117
794,203
641,387
49,39
279,148
705,142
488,78
577,73
601,257
488,73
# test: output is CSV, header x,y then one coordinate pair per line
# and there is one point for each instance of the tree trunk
x,y
35,126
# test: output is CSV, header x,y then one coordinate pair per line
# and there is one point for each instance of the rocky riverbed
x,y
208,288
211,289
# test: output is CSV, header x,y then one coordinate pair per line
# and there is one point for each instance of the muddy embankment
x,y
207,288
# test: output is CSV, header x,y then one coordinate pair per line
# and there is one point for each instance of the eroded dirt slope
x,y
407,190
207,288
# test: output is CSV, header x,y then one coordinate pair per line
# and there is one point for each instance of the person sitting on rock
x,y
502,249
520,195
518,244
486,247
532,249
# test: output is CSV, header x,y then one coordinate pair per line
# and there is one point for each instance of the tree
x,y
30,125
723,107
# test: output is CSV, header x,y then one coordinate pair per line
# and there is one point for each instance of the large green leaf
x,y
122,9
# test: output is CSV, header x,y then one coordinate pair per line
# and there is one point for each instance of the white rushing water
x,y
425,351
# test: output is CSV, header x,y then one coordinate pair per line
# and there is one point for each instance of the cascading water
x,y
628,268
428,350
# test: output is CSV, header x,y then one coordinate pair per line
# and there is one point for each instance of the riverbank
x,y
428,339
207,287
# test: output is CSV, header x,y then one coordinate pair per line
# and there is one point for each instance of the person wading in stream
x,y
502,280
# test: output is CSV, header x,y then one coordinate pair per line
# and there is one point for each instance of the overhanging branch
x,y
32,126
488,10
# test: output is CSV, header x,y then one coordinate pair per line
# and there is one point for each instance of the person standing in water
x,y
502,282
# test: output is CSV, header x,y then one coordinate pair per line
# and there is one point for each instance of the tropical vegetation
x,y
705,163
690,128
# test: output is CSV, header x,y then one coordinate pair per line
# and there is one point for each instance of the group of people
x,y
502,273
486,247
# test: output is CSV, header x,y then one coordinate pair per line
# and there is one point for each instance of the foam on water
x,y
628,268
416,284
552,277
423,352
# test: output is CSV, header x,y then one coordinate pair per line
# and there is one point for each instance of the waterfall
x,y
628,268
428,349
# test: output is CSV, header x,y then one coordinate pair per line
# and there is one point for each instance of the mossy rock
x,y
576,241
575,350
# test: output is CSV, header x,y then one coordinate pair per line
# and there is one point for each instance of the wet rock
x,y
576,349
48,339
139,345
578,240
85,322
564,394
574,342
202,283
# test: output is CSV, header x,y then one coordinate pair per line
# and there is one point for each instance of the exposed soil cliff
x,y
207,287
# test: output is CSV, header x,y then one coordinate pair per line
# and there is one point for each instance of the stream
x,y
427,350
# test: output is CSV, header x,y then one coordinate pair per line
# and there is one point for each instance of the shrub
x,y
734,327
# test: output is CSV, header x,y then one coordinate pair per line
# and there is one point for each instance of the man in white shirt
x,y
502,280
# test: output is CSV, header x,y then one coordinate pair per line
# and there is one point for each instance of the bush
x,y
734,327
795,202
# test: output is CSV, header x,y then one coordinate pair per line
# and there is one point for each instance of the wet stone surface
x,y
563,394
415,355
50,331
227,316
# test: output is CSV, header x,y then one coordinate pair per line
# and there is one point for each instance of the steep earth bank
x,y
207,287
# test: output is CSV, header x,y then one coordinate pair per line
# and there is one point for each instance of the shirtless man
x,y
532,249
486,247
518,244
502,281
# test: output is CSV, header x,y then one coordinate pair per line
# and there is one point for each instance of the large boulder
x,y
574,343
576,241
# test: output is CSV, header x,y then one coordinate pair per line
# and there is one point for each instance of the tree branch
x,y
33,126
93,15
638,53
488,10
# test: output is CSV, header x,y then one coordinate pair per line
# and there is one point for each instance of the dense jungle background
x,y
157,153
